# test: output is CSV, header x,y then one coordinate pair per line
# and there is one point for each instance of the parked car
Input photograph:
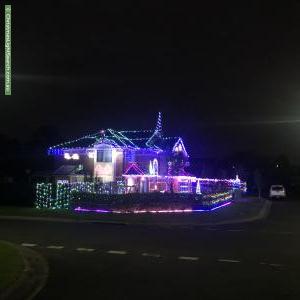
x,y
277,191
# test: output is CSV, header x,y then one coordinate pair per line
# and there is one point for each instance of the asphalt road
x,y
97,261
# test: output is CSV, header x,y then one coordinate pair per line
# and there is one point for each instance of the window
x,y
277,188
104,155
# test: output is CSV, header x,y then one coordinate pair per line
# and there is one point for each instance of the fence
x,y
72,195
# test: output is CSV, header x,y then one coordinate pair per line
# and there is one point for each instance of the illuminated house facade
x,y
145,160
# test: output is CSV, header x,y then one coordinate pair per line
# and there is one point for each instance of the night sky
x,y
225,75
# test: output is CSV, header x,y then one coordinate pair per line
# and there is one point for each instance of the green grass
x,y
11,264
33,212
51,213
44,212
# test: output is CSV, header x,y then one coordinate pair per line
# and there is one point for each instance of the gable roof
x,y
67,170
132,139
134,169
109,136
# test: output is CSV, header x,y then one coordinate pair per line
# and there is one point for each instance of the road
x,y
97,261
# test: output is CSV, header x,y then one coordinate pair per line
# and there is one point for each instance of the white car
x,y
277,191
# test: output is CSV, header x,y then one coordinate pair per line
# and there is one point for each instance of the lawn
x,y
33,212
56,214
243,209
11,264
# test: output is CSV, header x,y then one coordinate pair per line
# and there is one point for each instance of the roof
x,y
66,170
131,139
134,169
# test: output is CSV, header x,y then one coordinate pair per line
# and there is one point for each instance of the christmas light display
x,y
64,193
80,209
179,147
91,154
75,156
135,168
115,138
213,199
44,196
57,149
134,153
151,172
46,199
62,196
136,131
157,132
155,166
67,156
198,188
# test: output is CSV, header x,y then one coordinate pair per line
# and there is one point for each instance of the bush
x,y
146,201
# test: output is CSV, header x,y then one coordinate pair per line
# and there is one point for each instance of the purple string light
x,y
189,210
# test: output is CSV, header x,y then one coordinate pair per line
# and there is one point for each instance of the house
x,y
146,160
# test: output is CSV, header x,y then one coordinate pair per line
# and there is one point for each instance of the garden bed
x,y
148,202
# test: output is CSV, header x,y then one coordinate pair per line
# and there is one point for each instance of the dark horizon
x,y
225,77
